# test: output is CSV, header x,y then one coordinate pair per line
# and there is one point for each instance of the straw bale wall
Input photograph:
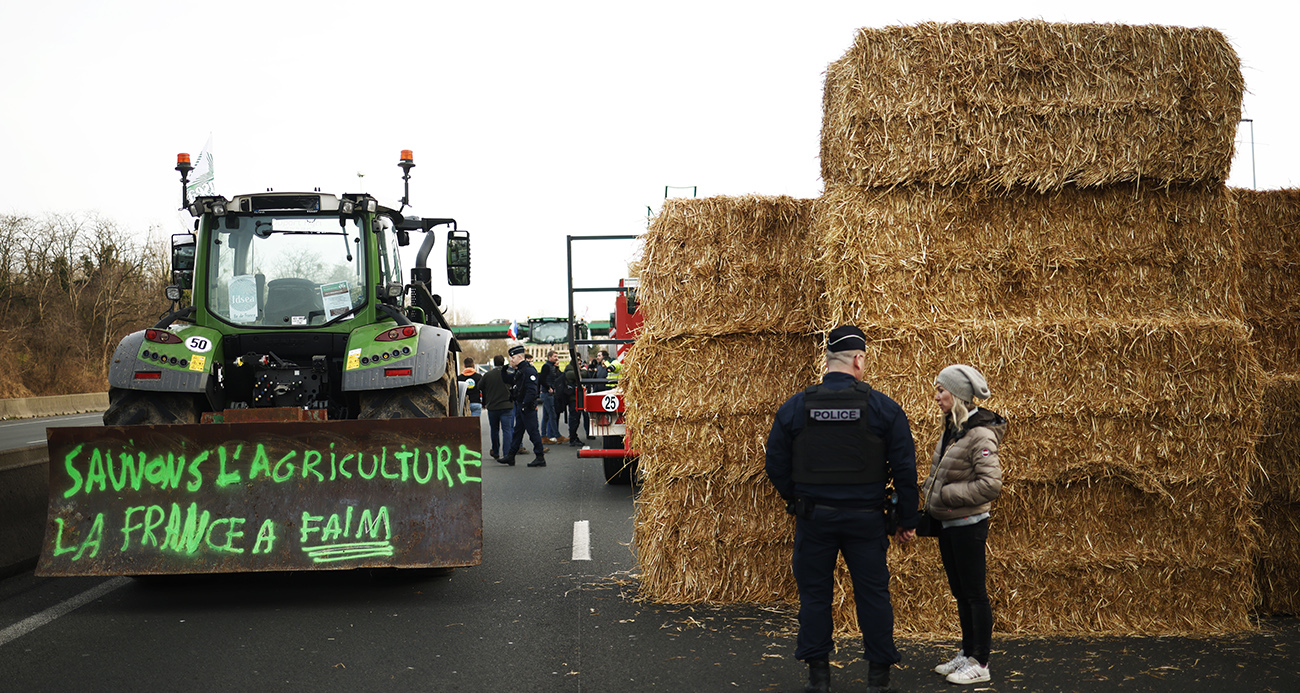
x,y
1044,202
1031,103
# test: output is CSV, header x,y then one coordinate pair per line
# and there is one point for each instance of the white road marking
x,y
28,625
581,541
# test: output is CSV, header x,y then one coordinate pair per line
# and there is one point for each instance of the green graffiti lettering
x,y
59,549
334,469
132,468
95,473
260,461
165,471
332,529
361,470
72,472
415,469
225,478
231,535
150,524
371,525
444,461
197,483
283,461
265,535
184,536
470,458
404,457
306,524
347,525
383,465
127,527
343,470
309,461
93,539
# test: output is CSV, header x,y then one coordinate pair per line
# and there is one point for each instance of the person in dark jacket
x,y
500,406
524,383
831,453
473,392
572,395
965,478
551,392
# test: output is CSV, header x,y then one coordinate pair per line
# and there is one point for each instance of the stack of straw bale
x,y
1046,203
730,304
1042,201
1270,238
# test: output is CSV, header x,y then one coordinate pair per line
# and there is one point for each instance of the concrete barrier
x,y
24,485
54,405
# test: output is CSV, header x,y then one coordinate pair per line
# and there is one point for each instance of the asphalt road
x,y
22,433
530,618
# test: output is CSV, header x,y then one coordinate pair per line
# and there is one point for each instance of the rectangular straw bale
x,y
1269,226
1031,103
724,265
699,378
1278,479
1099,516
1111,367
699,509
1055,592
1278,573
726,449
1148,450
927,253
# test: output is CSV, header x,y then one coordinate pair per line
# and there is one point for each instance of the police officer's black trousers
x,y
860,536
525,421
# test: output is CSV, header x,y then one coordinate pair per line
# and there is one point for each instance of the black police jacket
x,y
886,420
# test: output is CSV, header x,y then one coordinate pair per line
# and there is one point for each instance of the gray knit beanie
x,y
964,382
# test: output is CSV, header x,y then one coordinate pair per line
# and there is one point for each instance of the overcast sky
x,y
529,121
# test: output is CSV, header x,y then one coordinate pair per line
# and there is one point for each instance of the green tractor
x,y
306,392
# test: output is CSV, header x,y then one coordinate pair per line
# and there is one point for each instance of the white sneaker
x,y
951,665
971,672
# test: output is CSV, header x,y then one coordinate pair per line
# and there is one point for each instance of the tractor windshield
x,y
287,271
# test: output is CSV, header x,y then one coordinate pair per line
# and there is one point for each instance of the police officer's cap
x,y
516,350
846,338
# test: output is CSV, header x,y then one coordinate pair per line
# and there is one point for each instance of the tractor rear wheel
x,y
135,407
423,401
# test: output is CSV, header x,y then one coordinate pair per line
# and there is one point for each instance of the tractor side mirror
x,y
183,246
458,258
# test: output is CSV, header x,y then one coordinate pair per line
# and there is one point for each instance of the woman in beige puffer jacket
x,y
965,477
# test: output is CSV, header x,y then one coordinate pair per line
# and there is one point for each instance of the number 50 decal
x,y
198,344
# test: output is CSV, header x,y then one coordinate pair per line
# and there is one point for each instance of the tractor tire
x,y
617,469
137,407
424,401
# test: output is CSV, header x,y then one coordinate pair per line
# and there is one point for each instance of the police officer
x,y
831,452
522,378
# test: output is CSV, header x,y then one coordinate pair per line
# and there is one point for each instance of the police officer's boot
x,y
878,677
819,676
539,461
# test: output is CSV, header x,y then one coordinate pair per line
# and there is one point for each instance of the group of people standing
x,y
842,456
512,391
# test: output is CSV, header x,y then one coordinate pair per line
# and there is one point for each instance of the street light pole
x,y
1252,150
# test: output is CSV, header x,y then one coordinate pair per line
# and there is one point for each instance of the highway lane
x,y
22,433
529,618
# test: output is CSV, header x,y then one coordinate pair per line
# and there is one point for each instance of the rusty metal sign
x,y
220,497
